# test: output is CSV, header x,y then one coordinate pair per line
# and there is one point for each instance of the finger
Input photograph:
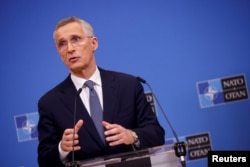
x,y
75,142
116,142
112,138
69,138
68,132
109,125
75,148
70,144
104,123
78,125
70,148
113,131
66,145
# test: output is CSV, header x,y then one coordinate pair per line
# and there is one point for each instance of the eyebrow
x,y
71,36
60,40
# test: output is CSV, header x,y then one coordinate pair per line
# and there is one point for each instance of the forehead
x,y
69,30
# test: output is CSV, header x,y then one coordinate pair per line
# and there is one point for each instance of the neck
x,y
85,73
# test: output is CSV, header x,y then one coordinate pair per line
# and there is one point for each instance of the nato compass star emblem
x,y
211,93
26,126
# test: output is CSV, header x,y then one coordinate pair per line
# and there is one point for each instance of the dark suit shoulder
x,y
116,75
60,87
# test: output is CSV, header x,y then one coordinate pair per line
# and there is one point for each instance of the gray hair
x,y
87,28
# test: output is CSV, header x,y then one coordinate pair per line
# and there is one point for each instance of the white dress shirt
x,y
79,83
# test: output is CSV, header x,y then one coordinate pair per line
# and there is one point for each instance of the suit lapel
x,y
110,94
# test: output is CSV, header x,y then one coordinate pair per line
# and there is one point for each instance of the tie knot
x,y
89,84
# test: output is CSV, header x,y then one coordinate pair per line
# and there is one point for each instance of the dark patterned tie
x,y
95,109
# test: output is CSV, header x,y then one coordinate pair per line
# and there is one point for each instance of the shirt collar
x,y
78,82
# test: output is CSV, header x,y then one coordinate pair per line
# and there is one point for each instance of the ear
x,y
94,43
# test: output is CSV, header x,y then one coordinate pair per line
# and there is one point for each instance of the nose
x,y
70,47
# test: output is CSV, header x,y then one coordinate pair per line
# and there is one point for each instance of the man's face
x,y
75,47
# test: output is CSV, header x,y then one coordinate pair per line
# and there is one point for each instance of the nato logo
x,y
222,90
26,126
198,145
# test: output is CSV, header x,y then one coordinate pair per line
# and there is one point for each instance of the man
x,y
128,120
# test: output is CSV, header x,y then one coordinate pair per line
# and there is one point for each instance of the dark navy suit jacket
x,y
124,103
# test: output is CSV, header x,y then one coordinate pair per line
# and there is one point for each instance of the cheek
x,y
85,50
63,57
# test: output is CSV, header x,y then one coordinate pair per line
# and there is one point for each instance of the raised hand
x,y
67,138
117,134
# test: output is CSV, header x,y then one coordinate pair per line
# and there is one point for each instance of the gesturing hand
x,y
116,134
67,138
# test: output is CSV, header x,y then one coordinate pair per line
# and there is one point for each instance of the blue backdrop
x,y
172,44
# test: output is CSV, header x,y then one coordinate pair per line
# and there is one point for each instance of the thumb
x,y
78,125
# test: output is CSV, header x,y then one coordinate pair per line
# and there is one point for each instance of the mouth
x,y
73,59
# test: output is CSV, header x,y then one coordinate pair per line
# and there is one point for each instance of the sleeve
x,y
48,153
149,131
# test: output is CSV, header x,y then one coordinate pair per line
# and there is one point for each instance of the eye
x,y
75,39
62,43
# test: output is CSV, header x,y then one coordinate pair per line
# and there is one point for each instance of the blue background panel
x,y
172,44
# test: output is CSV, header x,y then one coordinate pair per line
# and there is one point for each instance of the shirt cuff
x,y
62,153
